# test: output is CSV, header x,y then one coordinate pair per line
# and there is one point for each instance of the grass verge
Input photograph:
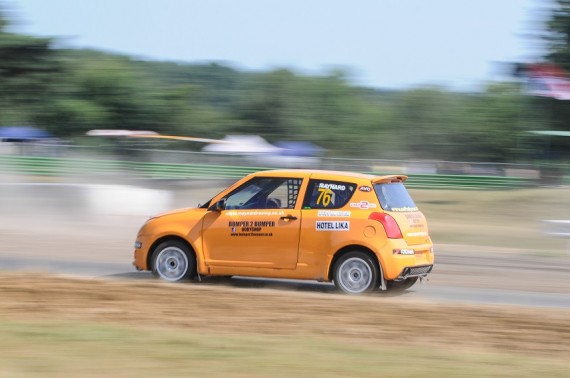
x,y
52,349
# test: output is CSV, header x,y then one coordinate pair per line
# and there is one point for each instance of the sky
x,y
392,44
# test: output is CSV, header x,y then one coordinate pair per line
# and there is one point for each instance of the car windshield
x,y
394,197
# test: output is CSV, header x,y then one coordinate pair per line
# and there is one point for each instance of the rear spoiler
x,y
389,179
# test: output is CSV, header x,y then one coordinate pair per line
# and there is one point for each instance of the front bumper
x,y
142,245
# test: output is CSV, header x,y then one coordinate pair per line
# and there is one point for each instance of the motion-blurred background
x,y
459,96
115,110
508,117
168,97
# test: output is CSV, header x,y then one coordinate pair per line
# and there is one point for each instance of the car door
x,y
259,227
328,220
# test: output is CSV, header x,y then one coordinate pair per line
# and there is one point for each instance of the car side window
x,y
265,193
325,194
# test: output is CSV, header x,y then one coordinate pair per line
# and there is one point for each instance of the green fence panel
x,y
59,166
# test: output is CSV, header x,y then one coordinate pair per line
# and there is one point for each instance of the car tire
x,y
172,261
392,286
356,273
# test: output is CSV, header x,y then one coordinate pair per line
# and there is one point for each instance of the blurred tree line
x,y
556,36
69,92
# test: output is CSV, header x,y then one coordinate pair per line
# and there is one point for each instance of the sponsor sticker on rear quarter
x,y
363,205
333,226
333,213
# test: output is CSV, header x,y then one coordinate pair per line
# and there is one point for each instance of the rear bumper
x,y
399,267
416,271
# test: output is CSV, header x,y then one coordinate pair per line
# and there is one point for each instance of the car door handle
x,y
288,217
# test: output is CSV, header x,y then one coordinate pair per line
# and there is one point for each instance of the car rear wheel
x,y
172,261
356,273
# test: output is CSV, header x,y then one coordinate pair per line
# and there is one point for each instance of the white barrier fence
x,y
560,229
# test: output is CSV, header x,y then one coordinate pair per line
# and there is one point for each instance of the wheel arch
x,y
163,239
353,248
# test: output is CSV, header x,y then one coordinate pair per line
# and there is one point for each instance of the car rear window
x,y
394,197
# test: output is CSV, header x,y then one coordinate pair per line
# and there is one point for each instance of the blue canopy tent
x,y
299,149
22,134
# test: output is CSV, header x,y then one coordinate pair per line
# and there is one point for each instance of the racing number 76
x,y
325,196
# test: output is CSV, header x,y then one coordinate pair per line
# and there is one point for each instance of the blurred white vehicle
x,y
261,153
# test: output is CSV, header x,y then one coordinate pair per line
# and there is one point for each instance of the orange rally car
x,y
362,232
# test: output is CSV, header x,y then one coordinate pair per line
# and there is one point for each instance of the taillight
x,y
390,225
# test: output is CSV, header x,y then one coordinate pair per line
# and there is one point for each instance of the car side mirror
x,y
219,205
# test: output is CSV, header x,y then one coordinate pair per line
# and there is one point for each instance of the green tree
x,y
557,34
72,91
27,69
556,113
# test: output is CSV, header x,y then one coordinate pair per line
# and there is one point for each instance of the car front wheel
x,y
172,261
356,273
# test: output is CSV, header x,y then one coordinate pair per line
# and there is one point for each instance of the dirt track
x,y
44,230
221,309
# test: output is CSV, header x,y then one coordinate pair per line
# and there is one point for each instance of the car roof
x,y
329,174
